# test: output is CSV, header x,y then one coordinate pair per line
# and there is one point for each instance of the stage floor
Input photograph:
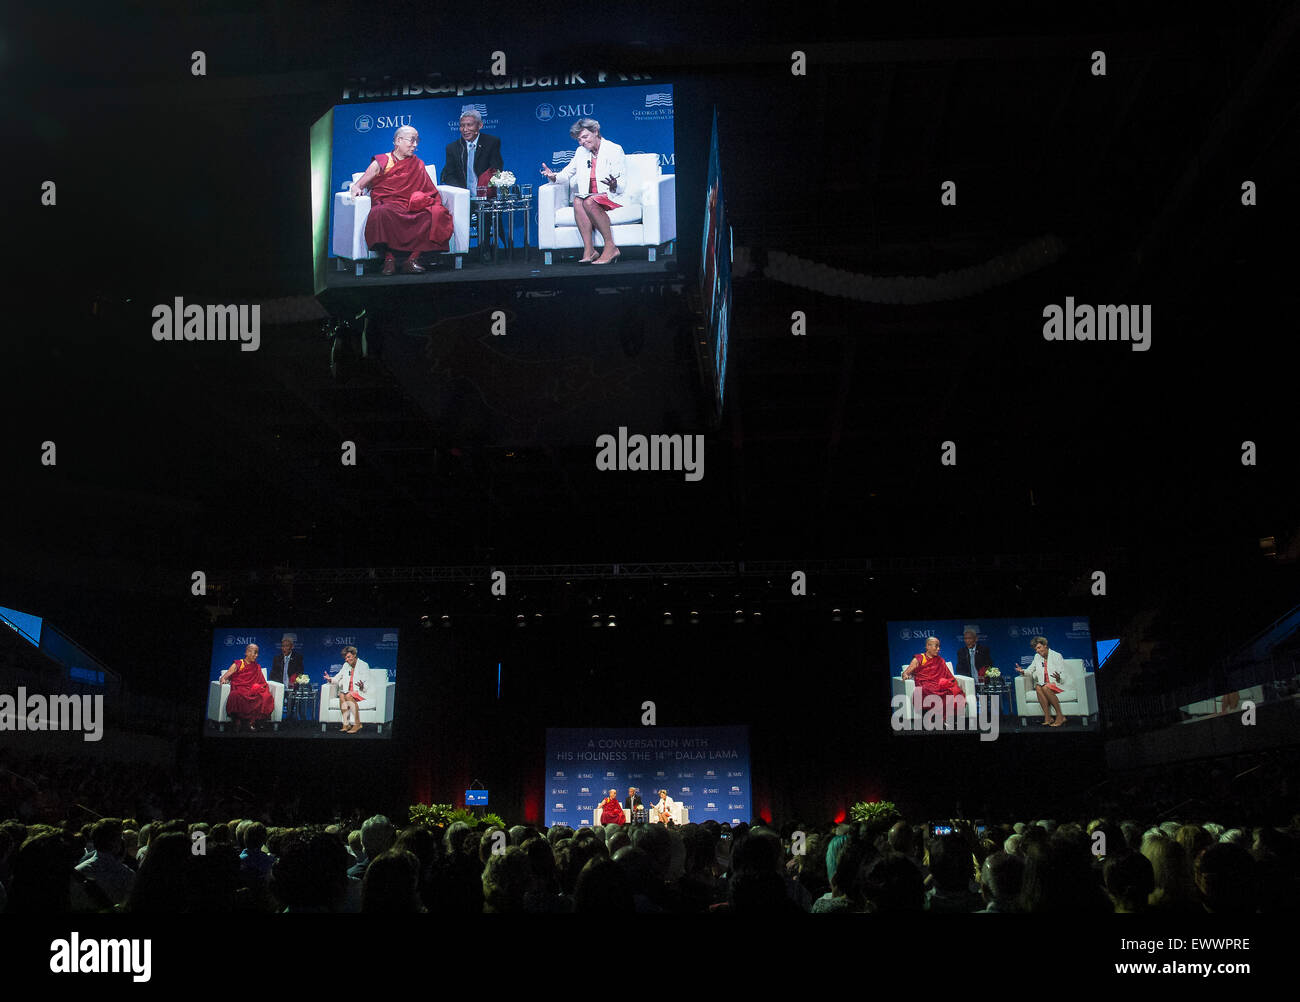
x,y
473,269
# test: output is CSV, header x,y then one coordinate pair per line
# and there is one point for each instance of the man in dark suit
x,y
635,809
486,150
286,665
973,658
472,159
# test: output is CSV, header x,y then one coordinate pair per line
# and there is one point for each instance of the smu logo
x,y
545,112
392,121
586,775
576,110
364,123
665,159
331,641
561,790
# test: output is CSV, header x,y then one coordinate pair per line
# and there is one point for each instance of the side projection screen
x,y
292,682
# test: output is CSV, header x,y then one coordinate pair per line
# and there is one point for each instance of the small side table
x,y
997,689
303,700
497,216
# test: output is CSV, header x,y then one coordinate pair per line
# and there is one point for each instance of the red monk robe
x,y
934,678
250,697
406,212
611,812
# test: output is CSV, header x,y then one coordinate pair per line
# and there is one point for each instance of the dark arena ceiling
x,y
474,450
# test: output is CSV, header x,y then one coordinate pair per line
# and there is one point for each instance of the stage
x,y
474,269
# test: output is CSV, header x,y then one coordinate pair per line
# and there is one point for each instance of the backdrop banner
x,y
706,769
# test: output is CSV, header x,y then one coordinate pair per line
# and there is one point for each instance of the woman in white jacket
x,y
602,172
1048,673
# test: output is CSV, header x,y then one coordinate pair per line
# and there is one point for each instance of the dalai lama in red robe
x,y
406,214
935,678
611,812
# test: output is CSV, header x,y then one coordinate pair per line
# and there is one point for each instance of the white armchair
x,y
906,687
1077,698
376,707
350,214
647,218
219,692
679,814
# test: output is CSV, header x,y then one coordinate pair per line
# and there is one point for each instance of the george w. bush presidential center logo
x,y
364,123
545,112
658,105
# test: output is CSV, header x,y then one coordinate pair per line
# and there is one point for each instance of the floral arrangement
x,y
992,673
502,179
303,679
868,811
443,815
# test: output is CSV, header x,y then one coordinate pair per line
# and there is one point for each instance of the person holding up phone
x,y
351,682
604,163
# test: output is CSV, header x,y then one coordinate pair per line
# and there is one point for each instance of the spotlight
x,y
668,618
738,616
520,620
612,620
446,620
426,623
836,616
858,615
595,620
695,617
756,616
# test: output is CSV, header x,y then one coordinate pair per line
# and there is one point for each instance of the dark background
x,y
1071,457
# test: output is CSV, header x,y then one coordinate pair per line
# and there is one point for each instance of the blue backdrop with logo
x,y
320,648
533,127
704,768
